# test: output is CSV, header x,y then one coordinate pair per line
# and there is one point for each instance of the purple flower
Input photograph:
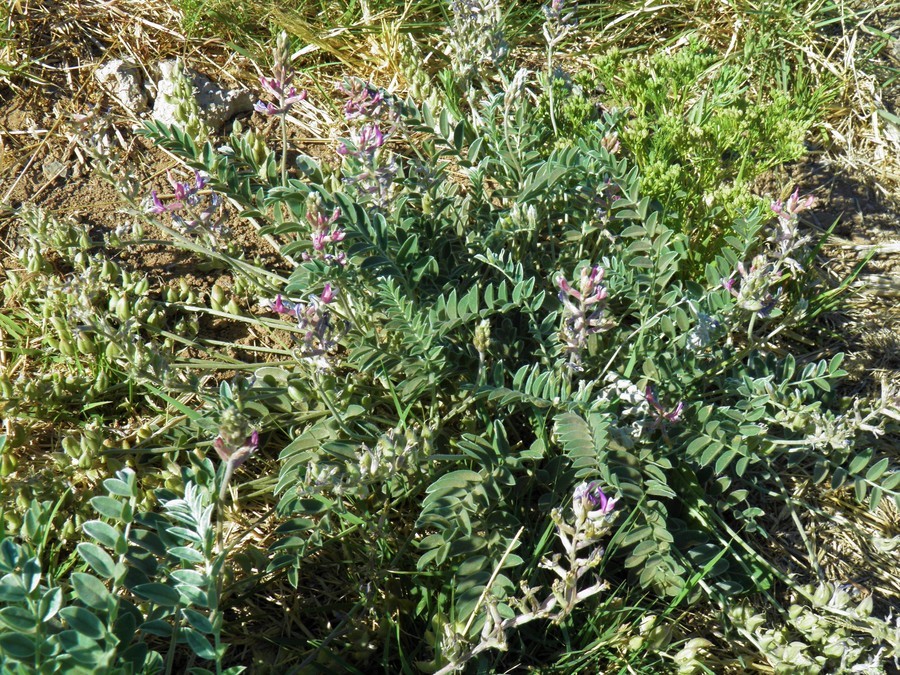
x,y
589,497
280,86
158,207
322,233
659,412
370,138
794,205
282,307
236,456
365,102
328,294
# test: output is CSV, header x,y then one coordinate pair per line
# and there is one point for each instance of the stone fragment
x,y
217,105
54,169
124,82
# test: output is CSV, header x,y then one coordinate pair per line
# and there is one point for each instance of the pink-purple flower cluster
x,y
661,416
365,142
373,119
793,206
365,103
787,238
182,195
280,85
320,334
589,497
285,94
583,311
191,207
235,456
367,165
324,233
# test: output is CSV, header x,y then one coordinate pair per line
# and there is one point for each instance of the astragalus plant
x,y
514,393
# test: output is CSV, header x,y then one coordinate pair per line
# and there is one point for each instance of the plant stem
x,y
550,89
284,149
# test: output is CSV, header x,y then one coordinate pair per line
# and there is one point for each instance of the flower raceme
x,y
182,193
583,309
794,205
285,94
192,207
324,233
365,103
280,85
313,317
659,412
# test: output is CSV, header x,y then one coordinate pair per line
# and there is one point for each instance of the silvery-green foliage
x,y
829,628
92,312
475,37
139,575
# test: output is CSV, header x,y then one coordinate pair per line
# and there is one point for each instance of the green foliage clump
x,y
698,128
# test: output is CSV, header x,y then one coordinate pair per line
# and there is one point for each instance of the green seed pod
x,y
156,318
101,381
13,521
68,530
71,447
34,264
66,348
217,297
142,286
60,325
123,309
6,388
296,394
113,351
8,463
85,344
233,308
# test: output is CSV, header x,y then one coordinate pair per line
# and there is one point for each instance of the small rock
x,y
54,169
124,81
217,105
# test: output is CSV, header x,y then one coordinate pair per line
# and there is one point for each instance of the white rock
x,y
124,82
217,105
